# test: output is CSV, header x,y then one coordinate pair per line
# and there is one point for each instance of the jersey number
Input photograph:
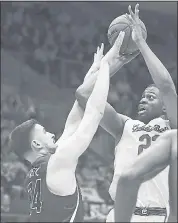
x,y
148,139
34,190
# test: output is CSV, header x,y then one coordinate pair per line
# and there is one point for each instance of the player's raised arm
x,y
73,120
159,73
93,114
62,163
112,122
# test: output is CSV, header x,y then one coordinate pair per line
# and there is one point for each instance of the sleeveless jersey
x,y
135,139
45,206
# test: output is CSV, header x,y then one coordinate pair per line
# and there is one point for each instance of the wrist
x,y
140,42
94,67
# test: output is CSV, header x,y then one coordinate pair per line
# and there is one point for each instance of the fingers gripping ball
x,y
121,23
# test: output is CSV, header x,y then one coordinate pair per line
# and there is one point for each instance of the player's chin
x,y
53,148
142,115
52,151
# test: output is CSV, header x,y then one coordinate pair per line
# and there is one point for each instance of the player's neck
x,y
147,121
30,156
164,117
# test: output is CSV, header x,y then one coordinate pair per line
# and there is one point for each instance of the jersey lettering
x,y
148,140
34,191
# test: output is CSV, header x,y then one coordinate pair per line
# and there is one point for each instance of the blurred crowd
x,y
13,172
60,45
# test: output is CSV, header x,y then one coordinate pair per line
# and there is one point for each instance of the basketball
x,y
121,23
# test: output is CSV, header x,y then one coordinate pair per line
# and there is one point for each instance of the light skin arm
x,y
112,122
62,164
159,73
73,121
76,114
157,157
92,115
58,182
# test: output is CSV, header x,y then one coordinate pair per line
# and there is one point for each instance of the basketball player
x,y
54,194
135,136
158,156
149,163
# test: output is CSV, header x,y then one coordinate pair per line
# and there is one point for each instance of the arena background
x,y
46,49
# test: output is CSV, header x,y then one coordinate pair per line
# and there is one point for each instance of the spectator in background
x,y
5,201
104,211
5,197
86,207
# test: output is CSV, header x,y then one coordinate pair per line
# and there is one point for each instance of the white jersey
x,y
135,139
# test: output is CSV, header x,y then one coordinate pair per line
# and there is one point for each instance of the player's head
x,y
151,105
30,137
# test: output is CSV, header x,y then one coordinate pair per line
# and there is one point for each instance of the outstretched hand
x,y
96,62
135,23
114,58
99,54
114,52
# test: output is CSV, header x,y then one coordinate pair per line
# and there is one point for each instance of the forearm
x,y
126,197
159,73
84,91
98,97
94,111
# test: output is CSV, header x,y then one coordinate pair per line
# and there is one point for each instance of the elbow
x,y
126,177
129,176
166,84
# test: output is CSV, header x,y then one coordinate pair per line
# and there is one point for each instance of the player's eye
x,y
150,97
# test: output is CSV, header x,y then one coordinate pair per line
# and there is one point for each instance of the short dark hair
x,y
152,85
20,138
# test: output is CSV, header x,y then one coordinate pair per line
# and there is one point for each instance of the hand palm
x,y
135,23
136,31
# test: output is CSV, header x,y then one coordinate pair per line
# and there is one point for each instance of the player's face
x,y
44,138
151,105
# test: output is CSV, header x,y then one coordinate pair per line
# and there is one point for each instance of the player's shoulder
x,y
41,160
131,122
161,123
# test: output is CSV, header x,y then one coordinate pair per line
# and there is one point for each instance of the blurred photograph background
x,y
46,50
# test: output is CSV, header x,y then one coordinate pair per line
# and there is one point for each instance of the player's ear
x,y
36,145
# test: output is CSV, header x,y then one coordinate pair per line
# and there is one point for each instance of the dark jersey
x,y
45,206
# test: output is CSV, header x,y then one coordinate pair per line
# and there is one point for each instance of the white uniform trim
x,y
76,208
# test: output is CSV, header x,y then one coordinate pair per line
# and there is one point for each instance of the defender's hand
x,y
114,53
99,54
97,61
97,58
114,58
135,23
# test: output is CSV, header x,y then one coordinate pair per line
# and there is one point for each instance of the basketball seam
x,y
117,32
125,24
109,36
119,24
